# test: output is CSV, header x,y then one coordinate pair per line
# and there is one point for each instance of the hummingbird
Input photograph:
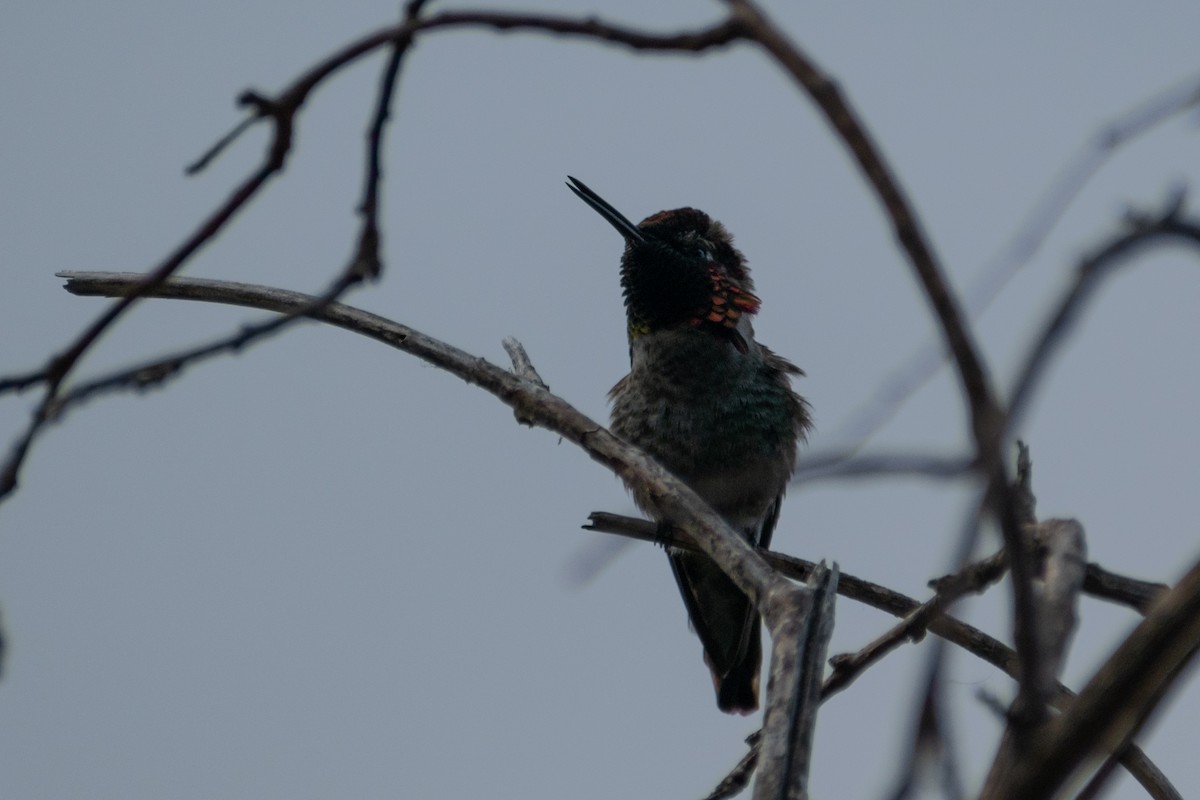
x,y
712,405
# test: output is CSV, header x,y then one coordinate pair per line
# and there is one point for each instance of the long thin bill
x,y
602,207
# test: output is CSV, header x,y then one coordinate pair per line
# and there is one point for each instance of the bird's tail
x,y
728,626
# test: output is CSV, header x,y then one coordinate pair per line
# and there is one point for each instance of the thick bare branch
x,y
1063,563
801,624
1138,595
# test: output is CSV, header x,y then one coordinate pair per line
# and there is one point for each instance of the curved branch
x,y
1094,269
532,403
915,371
987,417
825,93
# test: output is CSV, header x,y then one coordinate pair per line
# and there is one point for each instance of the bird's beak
x,y
614,217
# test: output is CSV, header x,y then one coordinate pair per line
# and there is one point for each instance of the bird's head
x,y
679,269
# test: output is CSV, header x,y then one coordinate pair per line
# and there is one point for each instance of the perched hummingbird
x,y
712,406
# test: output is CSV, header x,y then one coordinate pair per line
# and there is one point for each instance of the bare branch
x,y
973,578
1063,565
1010,504
801,624
1118,700
1057,593
825,93
987,418
154,373
366,260
1138,595
1098,149
739,777
1065,568
1135,760
741,562
522,366
1142,230
211,154
1024,500
836,465
915,371
944,626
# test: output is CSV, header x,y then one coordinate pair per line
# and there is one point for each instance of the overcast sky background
x,y
322,569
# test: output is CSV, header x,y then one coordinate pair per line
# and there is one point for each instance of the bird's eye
x,y
704,253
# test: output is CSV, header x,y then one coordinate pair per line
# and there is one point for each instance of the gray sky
x,y
322,569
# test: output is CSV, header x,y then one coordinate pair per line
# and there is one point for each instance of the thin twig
x,y
1026,665
815,467
521,364
974,578
210,155
367,261
930,686
524,369
739,777
1143,230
